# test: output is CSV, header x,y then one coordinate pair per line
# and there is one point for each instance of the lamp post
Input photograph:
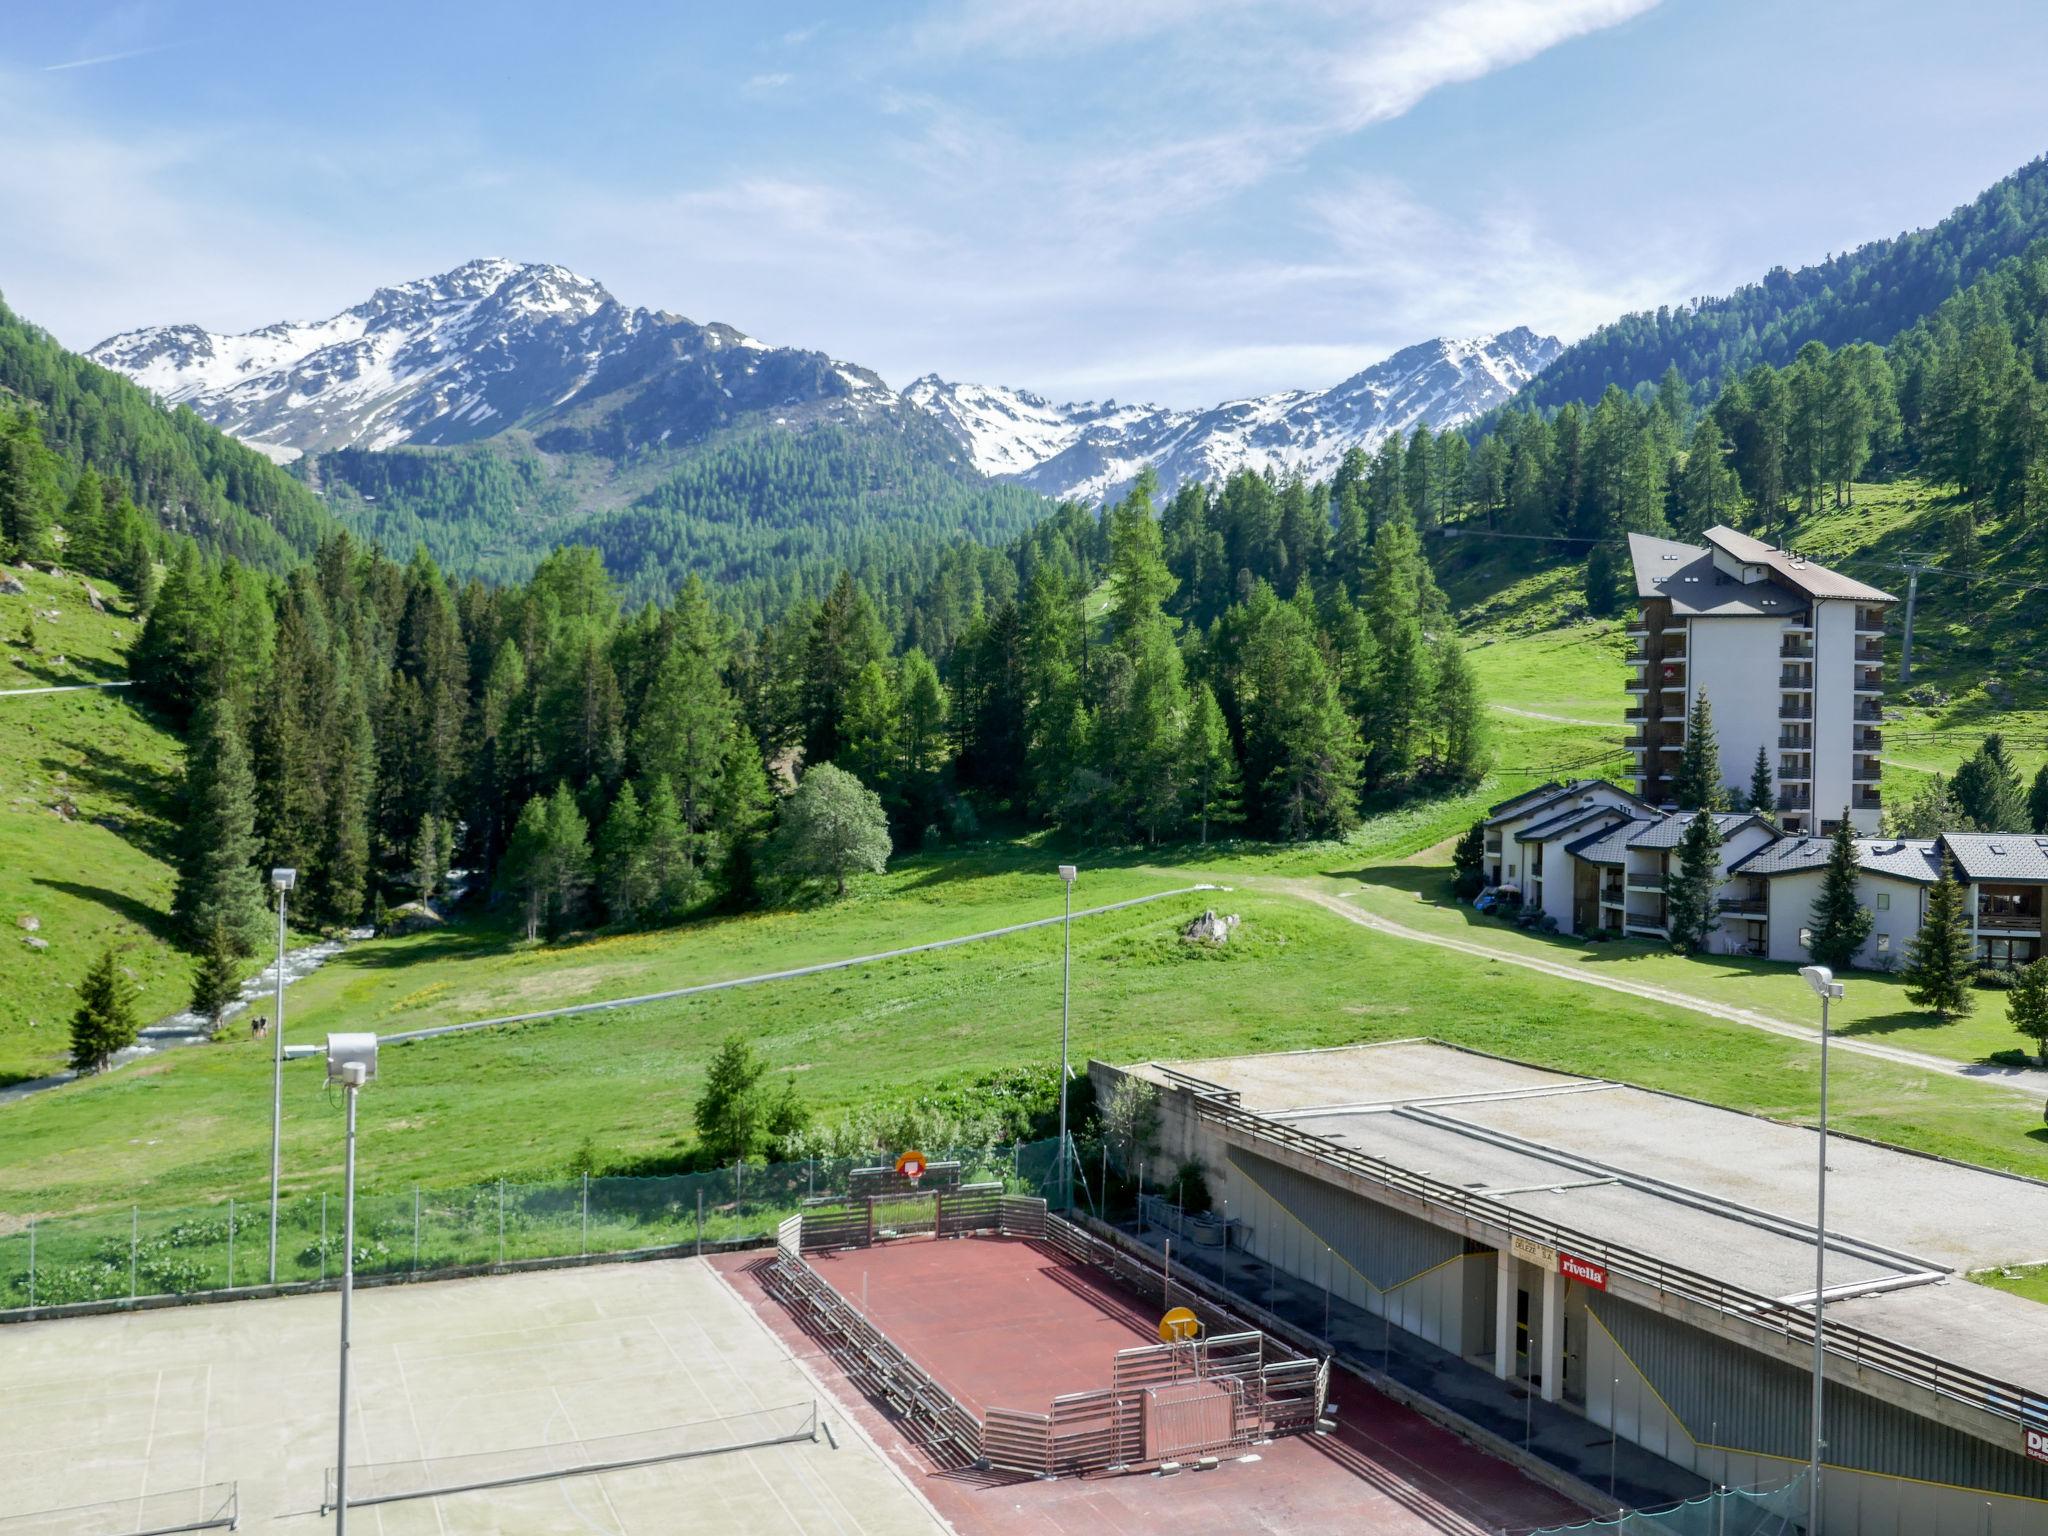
x,y
281,880
351,1062
1067,874
1827,989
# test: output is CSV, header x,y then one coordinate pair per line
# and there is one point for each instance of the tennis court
x,y
454,1382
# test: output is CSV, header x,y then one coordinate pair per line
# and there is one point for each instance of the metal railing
x,y
1792,1324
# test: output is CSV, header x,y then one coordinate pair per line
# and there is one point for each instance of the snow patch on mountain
x,y
473,351
1092,451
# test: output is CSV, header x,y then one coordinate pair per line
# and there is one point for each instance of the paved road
x,y
2031,1080
15,693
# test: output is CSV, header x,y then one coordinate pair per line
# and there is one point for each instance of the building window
x,y
1884,901
1884,943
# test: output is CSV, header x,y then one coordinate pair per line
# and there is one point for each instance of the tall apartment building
x,y
1791,657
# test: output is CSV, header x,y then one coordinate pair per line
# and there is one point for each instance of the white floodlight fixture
x,y
1822,980
1068,872
351,1059
283,879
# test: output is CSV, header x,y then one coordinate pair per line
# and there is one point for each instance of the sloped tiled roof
x,y
1609,846
1911,859
1565,821
1998,855
1798,574
1556,799
1668,831
1527,795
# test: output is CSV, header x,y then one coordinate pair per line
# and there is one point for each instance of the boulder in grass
x,y
92,596
413,917
35,943
10,585
28,922
1209,928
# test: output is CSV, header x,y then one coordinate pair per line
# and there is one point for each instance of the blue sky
x,y
1158,199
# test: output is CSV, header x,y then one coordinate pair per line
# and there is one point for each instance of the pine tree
x,y
85,516
674,882
341,876
1300,747
1457,718
845,636
524,870
105,1021
1988,789
424,858
1468,858
2037,800
1209,765
1697,784
568,858
217,980
624,879
922,736
868,747
2028,1005
1139,581
1692,909
1839,924
1941,957
217,877
28,487
174,659
1762,797
731,1113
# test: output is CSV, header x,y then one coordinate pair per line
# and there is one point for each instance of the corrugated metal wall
x,y
1741,1418
1431,1282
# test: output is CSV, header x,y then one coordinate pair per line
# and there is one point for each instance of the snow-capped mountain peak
x,y
469,352
1092,451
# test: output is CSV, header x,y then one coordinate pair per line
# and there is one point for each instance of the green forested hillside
x,y
765,517
1869,294
187,477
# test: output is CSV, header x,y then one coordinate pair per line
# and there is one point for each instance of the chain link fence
x,y
132,1254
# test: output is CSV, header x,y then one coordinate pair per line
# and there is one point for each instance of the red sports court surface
x,y
1007,1323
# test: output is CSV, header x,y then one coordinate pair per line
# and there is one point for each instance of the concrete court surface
x,y
1005,1321
111,1407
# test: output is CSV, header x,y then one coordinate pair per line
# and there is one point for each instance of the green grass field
x,y
87,788
528,1101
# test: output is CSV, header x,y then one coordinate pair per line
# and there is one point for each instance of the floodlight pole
x,y
351,1086
1067,874
1823,982
282,881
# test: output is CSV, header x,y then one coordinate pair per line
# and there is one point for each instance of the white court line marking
x,y
754,1458
566,1486
418,1440
710,1403
847,1414
149,1444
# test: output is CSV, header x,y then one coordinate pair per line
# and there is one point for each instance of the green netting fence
x,y
134,1252
1775,1511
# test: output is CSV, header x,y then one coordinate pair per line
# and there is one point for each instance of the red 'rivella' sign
x,y
1585,1271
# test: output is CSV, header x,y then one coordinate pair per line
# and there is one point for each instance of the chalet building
x,y
1517,862
1789,654
1623,874
1780,883
1592,857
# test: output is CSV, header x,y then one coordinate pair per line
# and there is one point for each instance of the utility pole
x,y
1066,1189
1915,564
282,881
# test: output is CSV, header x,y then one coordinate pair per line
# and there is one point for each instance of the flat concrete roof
x,y
1718,1192
115,1407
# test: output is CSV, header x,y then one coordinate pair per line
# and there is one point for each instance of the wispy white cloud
x,y
766,84
109,58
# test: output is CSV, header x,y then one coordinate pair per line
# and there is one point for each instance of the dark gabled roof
x,y
1685,574
1610,845
1565,821
1668,831
1895,858
1997,855
1799,574
1553,801
1549,786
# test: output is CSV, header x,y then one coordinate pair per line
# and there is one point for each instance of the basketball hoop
x,y
1178,1326
912,1166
